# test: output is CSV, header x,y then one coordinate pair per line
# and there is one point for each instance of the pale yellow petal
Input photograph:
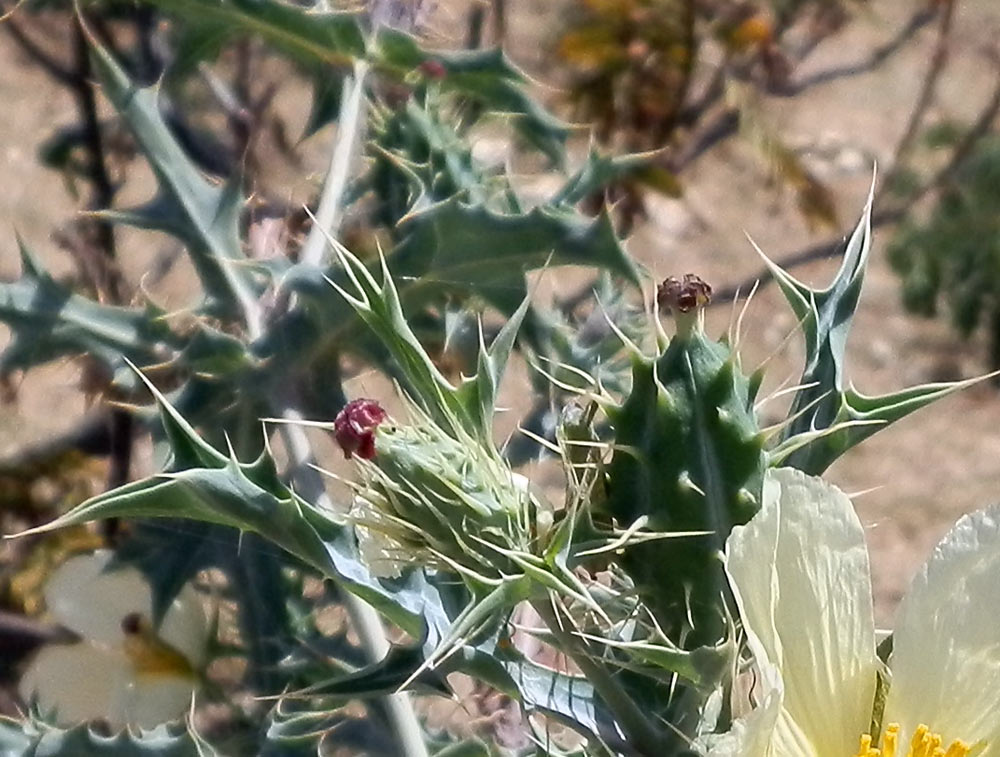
x,y
946,648
150,700
76,683
801,567
92,602
184,626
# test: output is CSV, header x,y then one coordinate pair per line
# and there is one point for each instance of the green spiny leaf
x,y
453,245
598,171
858,417
250,497
332,39
32,738
488,78
204,216
826,419
49,321
308,728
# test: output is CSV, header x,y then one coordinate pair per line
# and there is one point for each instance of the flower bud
x,y
443,501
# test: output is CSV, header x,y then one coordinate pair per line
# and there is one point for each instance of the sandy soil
x,y
929,469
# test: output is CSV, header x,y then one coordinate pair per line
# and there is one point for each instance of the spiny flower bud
x,y
683,295
354,427
442,501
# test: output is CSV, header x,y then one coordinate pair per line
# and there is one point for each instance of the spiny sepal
x,y
470,405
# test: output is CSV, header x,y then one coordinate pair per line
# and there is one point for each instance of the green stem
x,y
639,731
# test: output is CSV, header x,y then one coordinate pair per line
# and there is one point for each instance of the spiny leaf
x,y
308,728
859,417
49,321
488,78
567,698
204,216
32,738
825,316
598,171
419,157
453,243
823,403
333,39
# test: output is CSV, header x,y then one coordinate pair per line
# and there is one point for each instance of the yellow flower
x,y
121,671
800,571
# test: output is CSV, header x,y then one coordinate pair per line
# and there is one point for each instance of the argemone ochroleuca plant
x,y
800,570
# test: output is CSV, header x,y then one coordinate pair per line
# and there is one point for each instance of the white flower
x,y
800,571
121,671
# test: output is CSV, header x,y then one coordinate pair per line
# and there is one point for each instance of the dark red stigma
x,y
433,69
683,295
354,427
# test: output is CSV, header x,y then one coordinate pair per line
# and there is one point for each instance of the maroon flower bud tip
x,y
433,69
683,295
354,427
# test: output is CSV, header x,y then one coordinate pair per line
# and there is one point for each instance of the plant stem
x,y
364,619
328,214
639,731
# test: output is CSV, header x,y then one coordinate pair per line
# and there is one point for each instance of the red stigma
x,y
433,69
354,428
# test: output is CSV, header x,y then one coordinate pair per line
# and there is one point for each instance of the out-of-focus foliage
x,y
951,258
675,76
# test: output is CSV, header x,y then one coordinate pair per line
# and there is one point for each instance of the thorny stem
x,y
638,729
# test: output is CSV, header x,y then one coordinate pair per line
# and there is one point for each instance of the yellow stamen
x,y
923,744
866,746
890,739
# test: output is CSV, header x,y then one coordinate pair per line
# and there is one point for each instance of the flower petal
x,y
184,626
749,735
84,598
946,649
151,700
77,682
801,568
